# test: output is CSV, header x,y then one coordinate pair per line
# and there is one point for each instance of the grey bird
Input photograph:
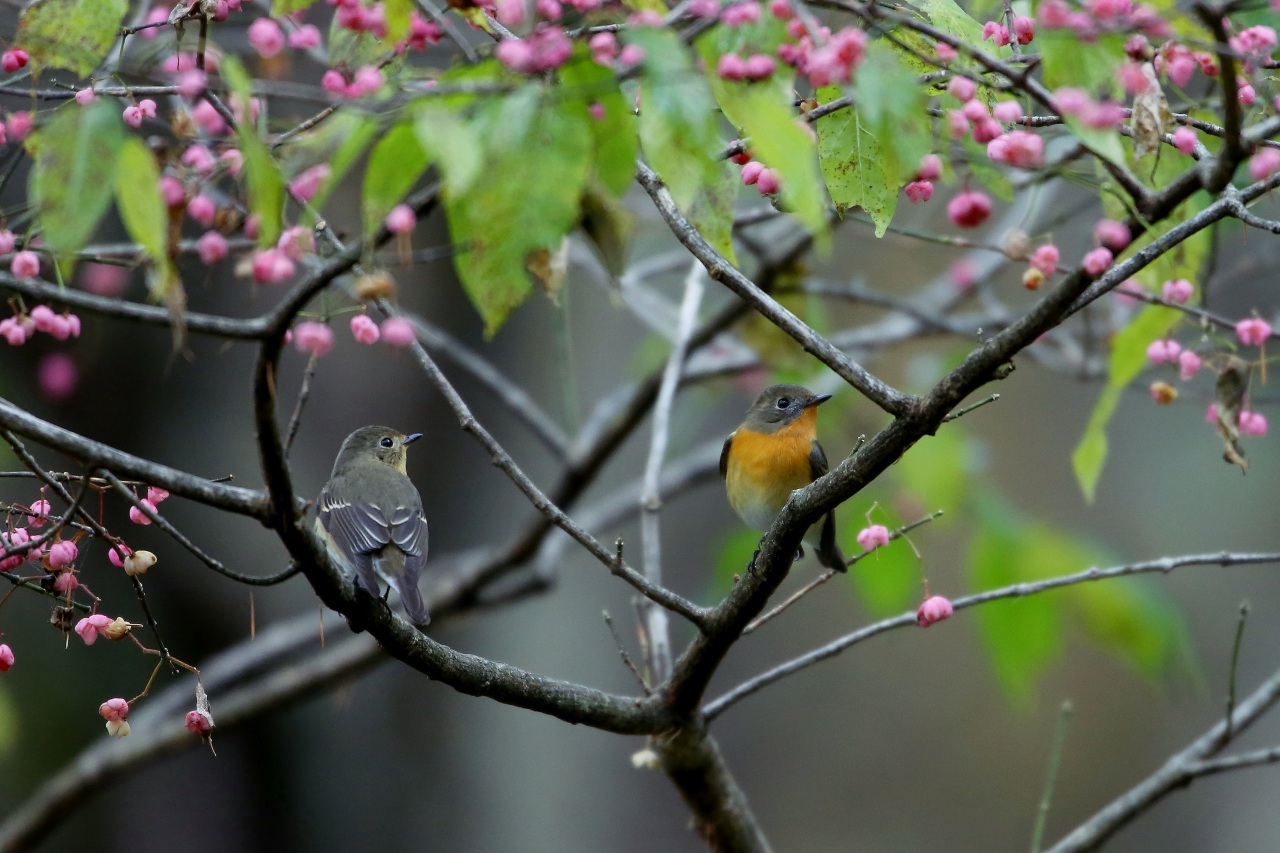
x,y
370,515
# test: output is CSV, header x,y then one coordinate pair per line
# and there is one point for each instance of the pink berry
x,y
202,210
62,554
873,537
308,182
1188,364
155,494
25,264
86,96
6,657
313,338
397,332
104,279
760,67
212,247
1253,423
266,37
1024,29
1045,258
115,555
1009,112
769,182
114,709
401,219
13,59
1184,139
57,376
66,583
935,608
7,241
1163,351
731,67
272,266
930,168
1264,164
969,209
1114,235
364,330
918,191
751,172
1178,291
304,37
137,516
1253,332
13,333
17,125
199,722
962,89
1097,261
171,189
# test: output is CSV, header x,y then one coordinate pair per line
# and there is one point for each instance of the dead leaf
x,y
1151,117
1231,390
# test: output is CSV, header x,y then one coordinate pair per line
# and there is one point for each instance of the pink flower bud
x,y
873,537
397,332
364,329
935,608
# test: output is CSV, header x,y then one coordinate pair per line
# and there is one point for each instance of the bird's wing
x,y
409,530
724,454
357,528
817,461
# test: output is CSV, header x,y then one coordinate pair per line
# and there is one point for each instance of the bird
x,y
370,515
774,452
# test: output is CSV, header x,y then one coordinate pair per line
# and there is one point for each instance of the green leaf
x,y
395,165
397,16
526,203
677,115
711,212
70,34
614,135
75,155
266,185
736,551
891,104
947,15
280,8
142,208
936,471
1022,636
452,145
764,113
1136,623
1128,356
853,164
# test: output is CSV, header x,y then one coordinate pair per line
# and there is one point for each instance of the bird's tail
x,y
414,607
828,549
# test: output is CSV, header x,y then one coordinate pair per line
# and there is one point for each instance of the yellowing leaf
x,y
70,34
75,162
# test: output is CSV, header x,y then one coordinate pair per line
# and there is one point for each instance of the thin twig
x,y
1235,660
1051,776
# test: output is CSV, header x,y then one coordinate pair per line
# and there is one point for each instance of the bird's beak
x,y
410,439
818,400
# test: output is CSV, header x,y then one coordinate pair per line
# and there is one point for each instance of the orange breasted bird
x,y
370,515
774,452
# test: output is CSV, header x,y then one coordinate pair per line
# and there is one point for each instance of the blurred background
x,y
914,740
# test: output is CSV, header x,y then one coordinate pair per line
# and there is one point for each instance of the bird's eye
x,y
784,402
387,442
